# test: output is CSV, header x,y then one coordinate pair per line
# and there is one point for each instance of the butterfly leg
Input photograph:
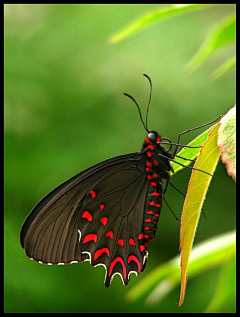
x,y
164,191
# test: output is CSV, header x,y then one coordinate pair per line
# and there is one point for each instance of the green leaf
x,y
190,153
153,17
227,141
165,277
224,68
222,35
197,189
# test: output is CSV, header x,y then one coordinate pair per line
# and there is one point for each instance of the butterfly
x,y
106,214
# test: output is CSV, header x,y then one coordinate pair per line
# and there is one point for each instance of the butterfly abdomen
x,y
157,168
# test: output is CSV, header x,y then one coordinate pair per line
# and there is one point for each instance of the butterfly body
x,y
106,214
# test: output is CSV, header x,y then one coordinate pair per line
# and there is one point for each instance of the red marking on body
x,y
149,177
155,162
152,203
157,215
155,175
131,241
146,236
87,215
149,164
90,237
147,140
158,205
120,242
92,192
148,169
156,194
135,259
142,247
146,228
102,206
149,154
104,221
159,139
153,184
149,147
148,220
150,239
109,234
99,252
150,212
140,236
114,262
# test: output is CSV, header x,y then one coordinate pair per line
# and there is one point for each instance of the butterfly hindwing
x,y
111,223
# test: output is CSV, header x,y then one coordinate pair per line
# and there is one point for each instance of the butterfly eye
x,y
152,136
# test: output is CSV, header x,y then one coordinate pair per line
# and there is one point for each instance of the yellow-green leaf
x,y
197,189
227,141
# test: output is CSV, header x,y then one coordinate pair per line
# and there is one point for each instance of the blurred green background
x,y
65,111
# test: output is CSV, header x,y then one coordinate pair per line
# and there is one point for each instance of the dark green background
x,y
65,111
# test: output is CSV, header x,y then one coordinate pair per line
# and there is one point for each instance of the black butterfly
x,y
106,214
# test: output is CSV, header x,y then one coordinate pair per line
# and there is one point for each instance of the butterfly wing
x,y
97,215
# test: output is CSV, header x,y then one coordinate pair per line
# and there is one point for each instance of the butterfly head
x,y
153,137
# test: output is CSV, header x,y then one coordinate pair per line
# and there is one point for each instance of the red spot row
x,y
99,252
87,215
90,237
93,193
104,220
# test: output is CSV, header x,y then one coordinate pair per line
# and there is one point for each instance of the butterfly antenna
x,y
149,97
138,110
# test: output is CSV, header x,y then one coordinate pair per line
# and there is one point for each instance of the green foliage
x,y
223,34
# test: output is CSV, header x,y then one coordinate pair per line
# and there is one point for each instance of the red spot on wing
x,y
99,252
153,184
155,162
120,242
104,221
158,205
157,215
90,237
92,192
149,154
148,220
140,236
149,177
152,203
146,228
135,259
109,234
131,241
114,262
87,215
149,164
102,206
155,175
